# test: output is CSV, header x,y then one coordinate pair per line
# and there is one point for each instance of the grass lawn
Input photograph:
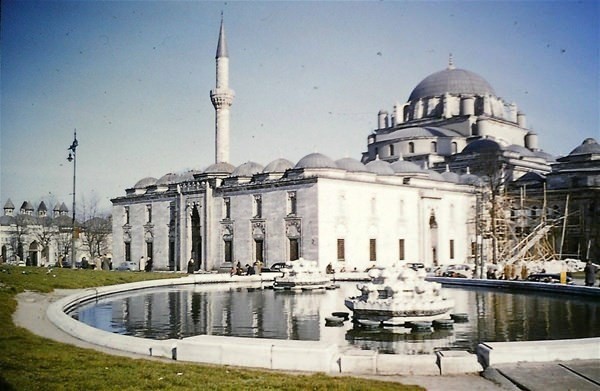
x,y
29,362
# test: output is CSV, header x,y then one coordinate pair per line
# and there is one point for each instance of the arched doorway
x,y
196,252
32,259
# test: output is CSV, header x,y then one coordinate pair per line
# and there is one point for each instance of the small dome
x,y
531,177
520,150
351,165
418,131
452,81
546,156
145,182
404,166
588,146
315,160
220,168
380,167
450,176
247,169
470,179
484,145
167,179
436,176
278,165
188,176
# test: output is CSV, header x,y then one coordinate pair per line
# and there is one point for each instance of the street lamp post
x,y
73,158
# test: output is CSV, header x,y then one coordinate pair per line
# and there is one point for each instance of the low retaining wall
x,y
578,290
313,356
492,353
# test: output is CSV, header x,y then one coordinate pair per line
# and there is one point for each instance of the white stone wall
x,y
357,212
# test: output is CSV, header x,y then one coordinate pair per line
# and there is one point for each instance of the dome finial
x,y
450,62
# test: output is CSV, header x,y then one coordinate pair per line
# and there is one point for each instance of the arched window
x,y
411,147
391,150
433,146
454,147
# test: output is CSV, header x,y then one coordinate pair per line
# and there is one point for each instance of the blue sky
x,y
134,79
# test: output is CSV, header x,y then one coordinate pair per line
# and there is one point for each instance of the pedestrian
x,y
148,267
249,270
590,271
142,264
190,266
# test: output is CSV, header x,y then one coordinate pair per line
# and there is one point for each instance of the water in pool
x,y
249,311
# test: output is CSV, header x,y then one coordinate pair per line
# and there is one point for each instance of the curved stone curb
x,y
578,290
316,356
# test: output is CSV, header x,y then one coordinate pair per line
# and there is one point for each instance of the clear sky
x,y
134,77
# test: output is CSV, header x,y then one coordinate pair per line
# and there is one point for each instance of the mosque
x,y
411,196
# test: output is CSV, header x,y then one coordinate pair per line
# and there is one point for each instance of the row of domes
x,y
312,161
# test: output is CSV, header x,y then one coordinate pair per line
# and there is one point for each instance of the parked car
x,y
416,265
460,270
276,267
548,277
124,266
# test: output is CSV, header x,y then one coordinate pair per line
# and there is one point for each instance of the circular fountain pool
x,y
249,311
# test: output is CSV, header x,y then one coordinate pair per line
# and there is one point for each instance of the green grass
x,y
29,362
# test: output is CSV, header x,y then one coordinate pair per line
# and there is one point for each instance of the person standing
x,y
142,264
190,266
590,271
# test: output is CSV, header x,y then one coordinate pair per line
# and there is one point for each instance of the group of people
x,y
247,270
146,265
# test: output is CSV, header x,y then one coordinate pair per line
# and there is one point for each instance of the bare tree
x,y
490,166
44,232
96,227
18,234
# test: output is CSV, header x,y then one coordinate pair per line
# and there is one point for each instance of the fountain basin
x,y
342,360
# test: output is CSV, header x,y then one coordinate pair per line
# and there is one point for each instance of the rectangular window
x,y
473,248
373,250
127,252
401,249
228,251
149,250
148,213
291,209
294,249
259,246
126,217
227,208
341,250
257,206
451,248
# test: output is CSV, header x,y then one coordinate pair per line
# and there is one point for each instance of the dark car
x,y
547,277
276,267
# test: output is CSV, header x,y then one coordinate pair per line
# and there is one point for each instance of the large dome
x,y
452,81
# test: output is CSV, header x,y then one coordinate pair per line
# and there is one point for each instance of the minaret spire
x,y
222,99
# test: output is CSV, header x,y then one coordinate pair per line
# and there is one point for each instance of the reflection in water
x,y
244,311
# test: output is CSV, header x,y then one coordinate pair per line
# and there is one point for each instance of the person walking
x,y
590,271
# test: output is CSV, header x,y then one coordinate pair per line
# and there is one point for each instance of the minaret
x,y
222,98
